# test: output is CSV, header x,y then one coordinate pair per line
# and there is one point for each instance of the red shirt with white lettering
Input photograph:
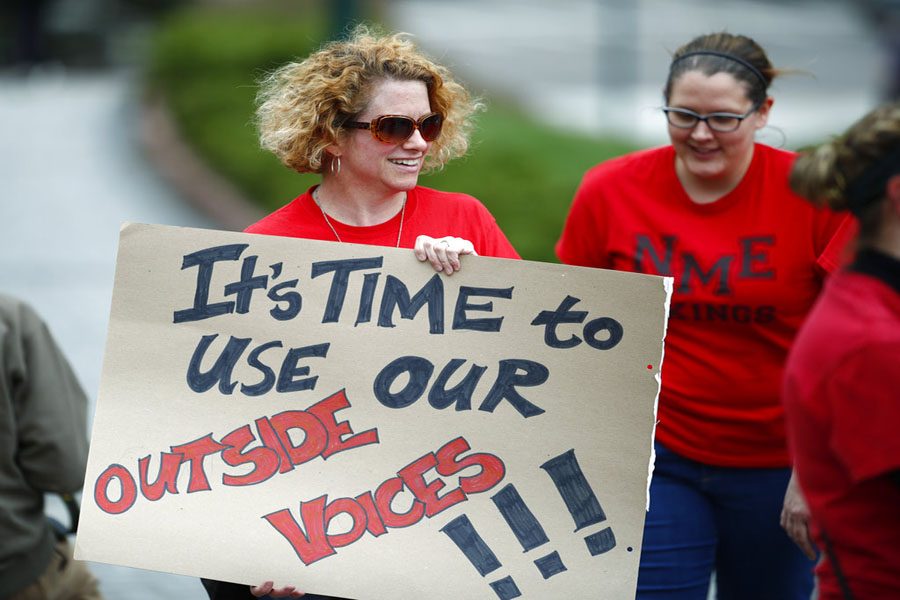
x,y
427,212
747,269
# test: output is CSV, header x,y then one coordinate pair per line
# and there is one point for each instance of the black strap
x,y
832,558
61,531
73,509
727,55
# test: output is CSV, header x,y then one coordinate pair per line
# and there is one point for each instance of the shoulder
x,y
437,213
775,159
432,200
430,195
636,160
17,314
643,162
639,174
837,321
10,318
8,306
284,220
771,169
777,154
863,289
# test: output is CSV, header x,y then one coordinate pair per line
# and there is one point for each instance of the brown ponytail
x,y
850,171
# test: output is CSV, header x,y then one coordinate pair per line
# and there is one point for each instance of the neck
x,y
706,190
888,238
356,206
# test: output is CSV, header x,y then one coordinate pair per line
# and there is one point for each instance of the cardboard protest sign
x,y
341,418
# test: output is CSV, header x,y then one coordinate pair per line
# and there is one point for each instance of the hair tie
x,y
868,186
731,57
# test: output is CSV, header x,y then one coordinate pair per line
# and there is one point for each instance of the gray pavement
x,y
71,175
71,171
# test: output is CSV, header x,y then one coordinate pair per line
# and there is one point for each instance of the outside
x,y
585,74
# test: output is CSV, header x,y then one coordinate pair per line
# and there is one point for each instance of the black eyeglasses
x,y
723,122
396,129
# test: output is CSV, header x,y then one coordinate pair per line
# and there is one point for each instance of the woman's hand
x,y
269,588
443,253
795,518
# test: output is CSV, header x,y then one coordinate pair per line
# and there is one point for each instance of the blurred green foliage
x,y
205,62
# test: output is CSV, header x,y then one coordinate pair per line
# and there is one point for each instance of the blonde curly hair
x,y
301,105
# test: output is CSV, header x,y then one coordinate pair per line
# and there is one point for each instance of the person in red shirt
x,y
748,257
842,383
369,113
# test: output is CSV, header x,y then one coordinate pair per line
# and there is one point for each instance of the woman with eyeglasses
x,y
714,211
842,383
369,113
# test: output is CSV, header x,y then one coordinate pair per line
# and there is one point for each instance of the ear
x,y
762,113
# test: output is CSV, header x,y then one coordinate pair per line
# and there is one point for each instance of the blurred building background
x,y
600,65
590,65
73,92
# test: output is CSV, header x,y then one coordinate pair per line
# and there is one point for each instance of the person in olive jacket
x,y
43,449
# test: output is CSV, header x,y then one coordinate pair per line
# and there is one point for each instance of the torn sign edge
x,y
668,286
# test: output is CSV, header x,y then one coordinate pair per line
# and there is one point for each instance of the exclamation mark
x,y
576,492
527,529
463,534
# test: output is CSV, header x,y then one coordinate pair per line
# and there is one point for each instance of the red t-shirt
x,y
747,268
842,397
428,212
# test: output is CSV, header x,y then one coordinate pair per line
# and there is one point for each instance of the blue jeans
x,y
706,519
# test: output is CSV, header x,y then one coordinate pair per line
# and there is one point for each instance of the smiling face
x,y
707,158
378,167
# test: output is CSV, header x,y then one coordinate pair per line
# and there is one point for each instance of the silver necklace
x,y
315,197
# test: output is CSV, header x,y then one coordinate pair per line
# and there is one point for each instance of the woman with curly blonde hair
x,y
842,384
370,113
